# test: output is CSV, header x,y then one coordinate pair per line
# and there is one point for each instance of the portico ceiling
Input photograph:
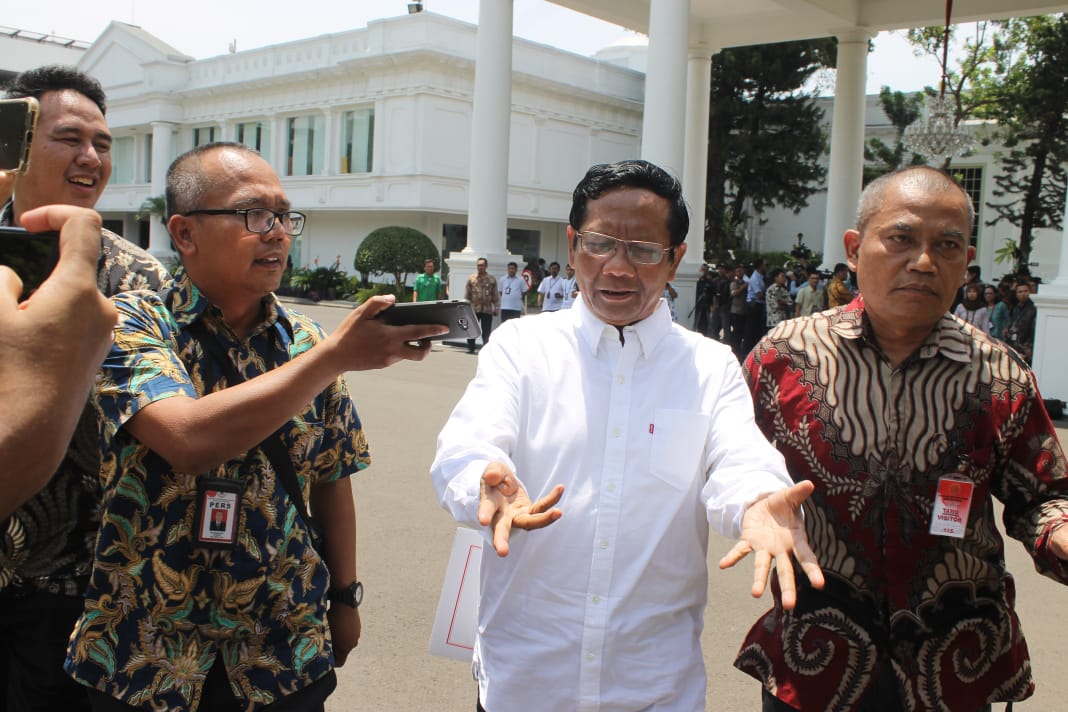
x,y
725,23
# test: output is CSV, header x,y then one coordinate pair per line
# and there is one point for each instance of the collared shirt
x,y
875,439
481,291
810,300
570,285
48,541
158,608
428,288
654,440
553,290
755,294
780,305
838,294
511,291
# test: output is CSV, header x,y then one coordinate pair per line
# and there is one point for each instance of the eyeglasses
x,y
262,220
595,244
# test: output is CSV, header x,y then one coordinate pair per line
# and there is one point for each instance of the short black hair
x,y
513,264
840,266
606,177
186,183
55,77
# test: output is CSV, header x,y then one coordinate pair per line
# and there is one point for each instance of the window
x,y
357,141
306,149
203,135
971,179
122,160
257,135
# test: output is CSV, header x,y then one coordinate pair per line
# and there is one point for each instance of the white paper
x,y
456,622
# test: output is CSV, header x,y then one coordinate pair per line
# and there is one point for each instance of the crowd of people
x,y
178,448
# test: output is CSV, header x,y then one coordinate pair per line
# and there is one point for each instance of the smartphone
x,y
456,314
18,119
32,255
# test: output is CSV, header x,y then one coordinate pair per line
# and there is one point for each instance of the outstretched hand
x,y
772,527
504,504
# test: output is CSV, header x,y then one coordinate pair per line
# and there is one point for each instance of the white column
x,y
845,175
694,176
159,240
279,144
663,124
330,143
491,117
1051,327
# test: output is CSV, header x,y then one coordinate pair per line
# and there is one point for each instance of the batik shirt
x,y
481,291
47,543
159,608
875,439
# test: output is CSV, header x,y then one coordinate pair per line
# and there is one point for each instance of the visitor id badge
x,y
218,510
951,505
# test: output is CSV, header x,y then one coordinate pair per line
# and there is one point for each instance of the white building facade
x,y
366,128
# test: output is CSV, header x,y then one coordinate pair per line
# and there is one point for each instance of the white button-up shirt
x,y
653,440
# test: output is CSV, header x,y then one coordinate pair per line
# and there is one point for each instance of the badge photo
x,y
217,513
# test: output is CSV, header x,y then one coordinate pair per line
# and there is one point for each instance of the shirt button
x,y
596,599
611,487
616,432
589,656
620,379
604,543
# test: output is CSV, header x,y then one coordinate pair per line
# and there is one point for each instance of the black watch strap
x,y
351,595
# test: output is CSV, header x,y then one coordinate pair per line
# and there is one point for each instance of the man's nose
x,y
88,155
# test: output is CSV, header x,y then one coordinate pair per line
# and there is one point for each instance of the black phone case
x,y
456,314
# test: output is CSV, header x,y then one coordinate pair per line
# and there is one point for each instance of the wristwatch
x,y
351,595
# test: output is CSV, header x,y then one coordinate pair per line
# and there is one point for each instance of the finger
x,y
502,531
487,505
787,585
761,567
376,305
537,521
340,657
10,289
416,351
420,332
799,493
809,564
738,552
548,500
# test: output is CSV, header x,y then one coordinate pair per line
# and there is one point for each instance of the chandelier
x,y
938,137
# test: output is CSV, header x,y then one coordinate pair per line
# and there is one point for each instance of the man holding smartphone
x,y
216,396
45,563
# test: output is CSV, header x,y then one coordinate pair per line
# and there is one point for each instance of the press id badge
x,y
217,512
953,500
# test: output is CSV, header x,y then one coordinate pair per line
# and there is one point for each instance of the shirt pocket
x,y
678,445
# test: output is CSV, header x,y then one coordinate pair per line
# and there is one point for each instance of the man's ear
x,y
181,229
570,245
680,250
851,240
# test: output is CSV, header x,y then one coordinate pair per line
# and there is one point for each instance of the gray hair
x,y
187,183
926,177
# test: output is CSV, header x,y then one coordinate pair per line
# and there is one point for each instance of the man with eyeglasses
x,y
646,438
47,549
217,397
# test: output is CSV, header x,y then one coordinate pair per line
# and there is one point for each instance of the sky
x,y
204,29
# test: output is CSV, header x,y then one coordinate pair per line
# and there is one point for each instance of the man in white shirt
x,y
649,431
551,290
570,287
512,289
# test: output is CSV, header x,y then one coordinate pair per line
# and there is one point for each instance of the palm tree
x,y
154,205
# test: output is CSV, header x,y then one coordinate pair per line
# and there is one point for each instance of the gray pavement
x,y
405,539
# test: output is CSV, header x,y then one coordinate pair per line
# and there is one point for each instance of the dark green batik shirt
x,y
159,609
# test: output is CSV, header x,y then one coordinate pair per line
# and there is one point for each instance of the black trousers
x,y
507,314
485,322
217,696
34,631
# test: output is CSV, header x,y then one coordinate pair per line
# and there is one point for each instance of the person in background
x,y
669,296
1020,333
910,424
481,291
570,287
511,289
838,292
779,304
739,288
972,309
428,286
997,310
810,298
551,290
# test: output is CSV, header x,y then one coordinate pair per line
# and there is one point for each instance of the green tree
x,y
880,157
1029,93
395,250
765,138
153,206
